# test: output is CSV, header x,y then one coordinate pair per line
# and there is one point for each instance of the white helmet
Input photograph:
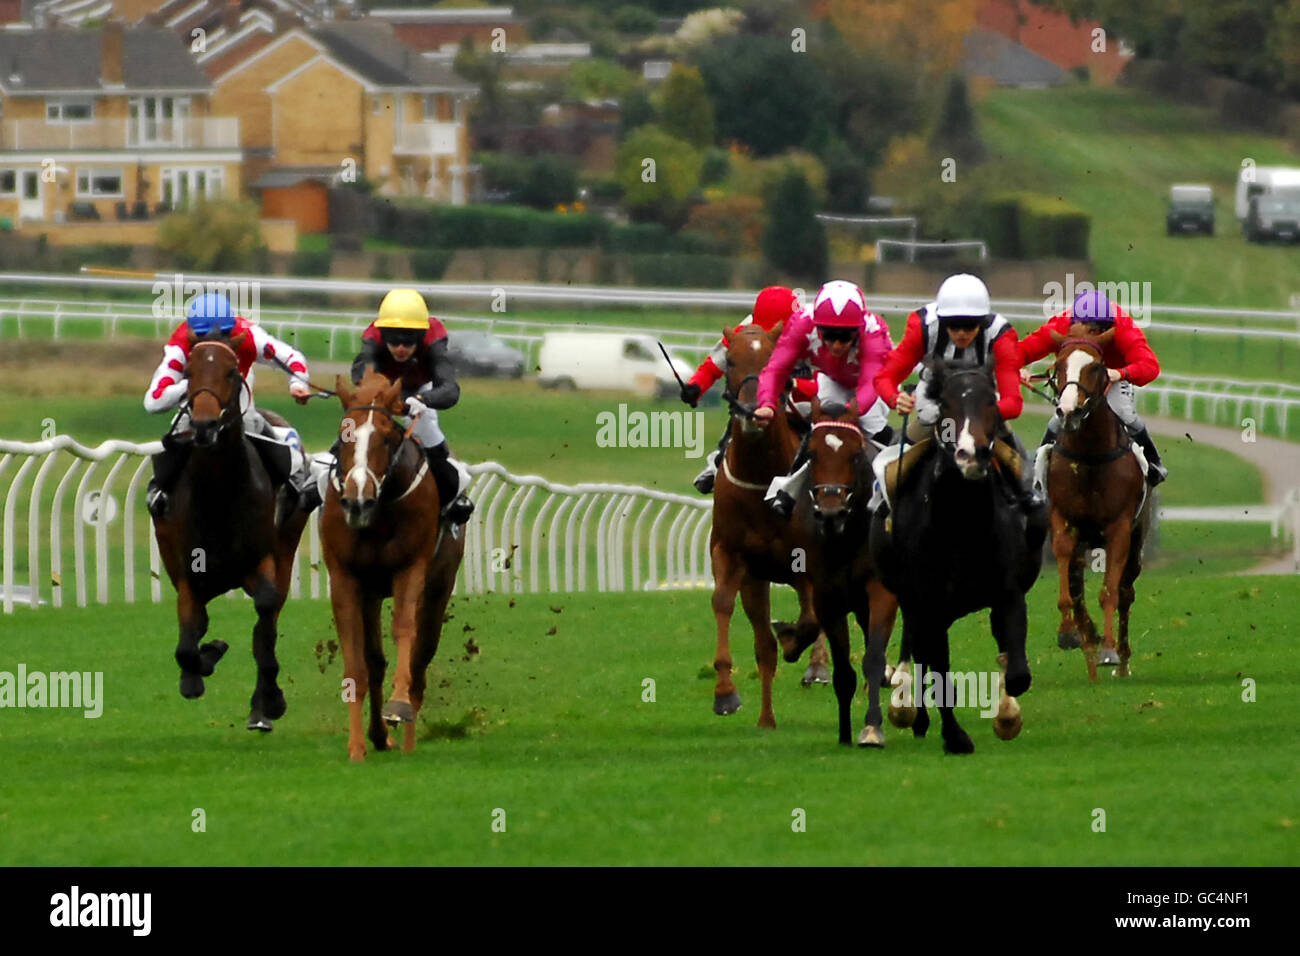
x,y
962,296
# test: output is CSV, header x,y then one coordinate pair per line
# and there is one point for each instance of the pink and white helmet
x,y
839,304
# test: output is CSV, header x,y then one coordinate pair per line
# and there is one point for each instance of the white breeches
x,y
873,420
426,430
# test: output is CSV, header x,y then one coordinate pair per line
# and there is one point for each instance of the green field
x,y
548,723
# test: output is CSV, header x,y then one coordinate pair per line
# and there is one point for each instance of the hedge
x,y
431,264
1000,218
680,269
311,262
1034,226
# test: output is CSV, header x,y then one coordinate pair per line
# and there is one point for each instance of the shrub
x,y
676,168
680,269
311,263
431,264
1050,227
1000,225
715,166
795,242
734,224
212,236
635,21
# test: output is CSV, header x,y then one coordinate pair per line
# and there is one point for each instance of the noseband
x,y
379,480
1084,408
229,408
846,491
733,401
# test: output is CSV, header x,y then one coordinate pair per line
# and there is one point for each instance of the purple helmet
x,y
1093,307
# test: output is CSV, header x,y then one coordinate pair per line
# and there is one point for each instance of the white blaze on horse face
x,y
756,346
833,443
965,440
360,457
1074,367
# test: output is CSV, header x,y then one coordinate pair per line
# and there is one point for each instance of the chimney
x,y
230,15
110,63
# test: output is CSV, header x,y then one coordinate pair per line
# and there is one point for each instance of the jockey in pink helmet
x,y
846,345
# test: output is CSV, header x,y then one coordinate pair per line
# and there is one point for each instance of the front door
x,y
31,199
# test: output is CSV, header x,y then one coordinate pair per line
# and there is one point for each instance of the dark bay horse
x,y
382,538
954,543
1095,487
227,527
750,546
844,577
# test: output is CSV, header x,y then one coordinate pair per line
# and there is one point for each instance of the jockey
x,y
846,345
1130,363
774,305
406,343
960,328
170,385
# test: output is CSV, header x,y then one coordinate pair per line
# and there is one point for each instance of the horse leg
x,y
1118,535
882,609
426,648
1010,623
267,703
193,618
795,640
955,740
1064,542
754,596
902,707
727,575
1127,594
843,677
376,666
346,598
408,596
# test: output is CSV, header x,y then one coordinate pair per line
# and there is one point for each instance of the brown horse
x,y
1095,487
227,526
382,538
749,545
843,574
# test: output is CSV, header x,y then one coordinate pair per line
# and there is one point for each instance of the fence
x,y
527,534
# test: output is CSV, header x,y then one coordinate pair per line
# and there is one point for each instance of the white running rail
x,y
527,534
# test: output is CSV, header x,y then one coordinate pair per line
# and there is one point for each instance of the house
x,y
1052,36
424,29
106,124
992,58
348,96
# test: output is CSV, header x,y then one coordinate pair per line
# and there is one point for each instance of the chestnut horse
x,y
750,546
227,527
843,574
1095,487
382,538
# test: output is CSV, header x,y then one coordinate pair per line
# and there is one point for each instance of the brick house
x,y
105,123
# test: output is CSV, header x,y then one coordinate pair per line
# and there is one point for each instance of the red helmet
x,y
774,304
839,304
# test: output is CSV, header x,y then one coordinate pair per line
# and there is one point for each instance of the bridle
x,y
1084,408
949,447
229,408
844,490
733,401
381,480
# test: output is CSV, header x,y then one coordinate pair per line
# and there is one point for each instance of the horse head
x,y
837,453
370,440
748,350
968,419
1079,376
214,385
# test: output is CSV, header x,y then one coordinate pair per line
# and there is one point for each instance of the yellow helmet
x,y
403,309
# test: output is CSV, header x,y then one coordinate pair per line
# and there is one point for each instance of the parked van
x,y
1255,181
615,360
1191,209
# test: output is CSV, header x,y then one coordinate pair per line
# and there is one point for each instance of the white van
x,y
615,360
1256,181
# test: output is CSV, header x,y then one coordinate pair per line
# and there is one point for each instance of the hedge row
x,y
1034,226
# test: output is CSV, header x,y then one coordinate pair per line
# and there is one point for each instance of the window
x,y
69,111
180,184
635,350
8,182
99,183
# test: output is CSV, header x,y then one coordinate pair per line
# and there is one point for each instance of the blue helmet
x,y
208,311
1093,308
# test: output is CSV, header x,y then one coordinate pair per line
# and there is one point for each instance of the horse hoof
x,y
889,676
398,712
1008,728
1107,658
959,743
871,737
903,717
726,705
816,674
209,654
273,705
1068,640
921,725
1123,670
1017,682
191,686
259,721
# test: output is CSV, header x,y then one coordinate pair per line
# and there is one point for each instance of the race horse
x,y
953,542
1096,488
382,537
844,577
228,525
749,545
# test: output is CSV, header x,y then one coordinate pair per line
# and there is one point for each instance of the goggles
x,y
837,334
963,324
407,337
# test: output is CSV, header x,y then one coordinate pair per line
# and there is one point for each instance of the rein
x,y
733,402
380,481
226,418
841,489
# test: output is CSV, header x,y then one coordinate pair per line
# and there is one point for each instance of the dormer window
x,y
70,111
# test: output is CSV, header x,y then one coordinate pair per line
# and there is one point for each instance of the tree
x,y
795,241
635,111
848,180
600,80
955,135
658,173
212,236
483,70
764,94
925,32
687,112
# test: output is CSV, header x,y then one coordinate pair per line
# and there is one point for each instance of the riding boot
x,y
167,467
1156,472
704,480
783,501
457,507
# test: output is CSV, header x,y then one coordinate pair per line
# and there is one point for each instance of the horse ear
x,y
816,408
237,341
774,333
1057,337
1105,338
392,397
726,336
853,414
344,390
191,339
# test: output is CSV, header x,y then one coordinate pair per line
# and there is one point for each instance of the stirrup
x,y
1156,473
782,504
458,510
704,481
157,500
